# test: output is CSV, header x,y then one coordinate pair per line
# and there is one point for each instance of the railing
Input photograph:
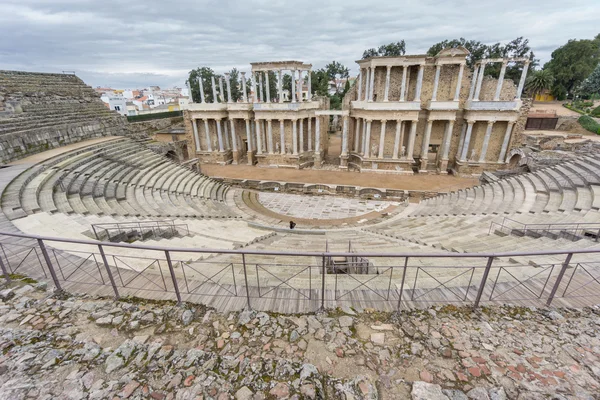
x,y
573,231
129,231
254,278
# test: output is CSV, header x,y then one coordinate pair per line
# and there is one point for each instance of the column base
x,y
443,165
423,166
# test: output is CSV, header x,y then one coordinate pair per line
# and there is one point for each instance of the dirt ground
x,y
556,106
405,182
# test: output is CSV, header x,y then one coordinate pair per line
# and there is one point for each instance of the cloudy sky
x,y
128,44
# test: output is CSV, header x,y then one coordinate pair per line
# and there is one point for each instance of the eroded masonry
x,y
404,115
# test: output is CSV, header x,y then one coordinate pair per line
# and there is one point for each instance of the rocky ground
x,y
57,346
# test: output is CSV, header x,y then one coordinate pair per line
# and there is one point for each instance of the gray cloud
x,y
135,44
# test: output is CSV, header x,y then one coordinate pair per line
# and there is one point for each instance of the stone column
x,y
281,136
345,136
368,139
502,155
522,80
359,95
226,131
479,81
403,87
244,91
294,135
196,137
436,81
267,87
372,83
318,134
269,136
300,86
425,145
309,133
419,83
364,137
500,81
221,91
255,96
233,137
248,134
486,141
411,140
214,88
387,83
301,134
220,135
189,89
382,139
280,85
207,134
367,80
293,85
461,142
228,83
397,139
447,140
461,70
259,147
473,83
465,148
201,87
309,95
261,87
357,134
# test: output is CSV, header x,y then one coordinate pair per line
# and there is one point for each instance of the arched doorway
x,y
172,156
514,161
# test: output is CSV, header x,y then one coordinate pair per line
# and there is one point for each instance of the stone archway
x,y
514,161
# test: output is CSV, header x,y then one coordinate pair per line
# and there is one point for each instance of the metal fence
x,y
129,231
572,231
305,281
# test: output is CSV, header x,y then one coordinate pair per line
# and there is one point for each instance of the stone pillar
x,y
281,136
259,147
436,81
411,140
220,135
293,85
309,133
294,134
364,137
500,81
226,131
447,140
221,91
397,139
463,133
255,96
228,83
196,137
214,88
372,83
403,87
301,134
233,139
473,83
357,134
269,136
419,83
486,141
280,85
502,155
201,87
248,134
367,80
244,91
189,89
522,80
359,95
465,148
382,139
261,88
345,136
309,95
299,91
461,70
318,134
368,139
387,83
207,134
479,81
267,87
425,145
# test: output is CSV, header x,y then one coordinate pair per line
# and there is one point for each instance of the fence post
x,y
402,283
559,279
108,271
172,271
49,264
246,281
323,283
95,233
483,280
4,271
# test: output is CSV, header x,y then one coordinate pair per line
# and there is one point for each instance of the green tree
x,y
287,83
571,63
591,85
336,72
390,49
476,49
235,85
320,82
205,74
539,81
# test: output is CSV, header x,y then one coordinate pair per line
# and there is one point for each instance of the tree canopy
x,y
591,85
571,63
539,81
336,72
205,74
390,49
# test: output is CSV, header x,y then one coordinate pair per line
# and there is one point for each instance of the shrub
x,y
596,112
147,117
589,124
